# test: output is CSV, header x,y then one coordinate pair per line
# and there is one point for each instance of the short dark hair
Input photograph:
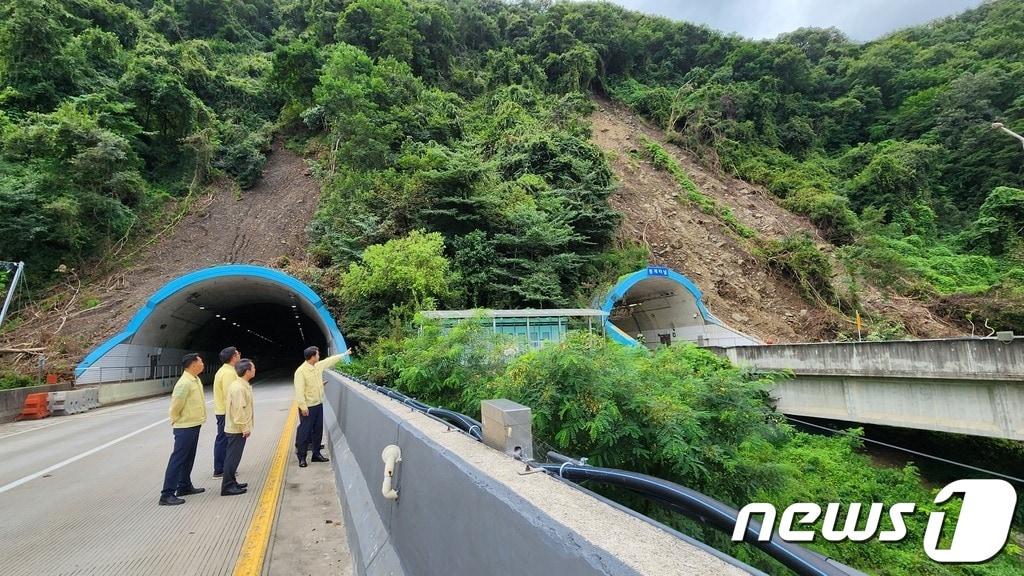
x,y
310,352
243,366
227,353
189,359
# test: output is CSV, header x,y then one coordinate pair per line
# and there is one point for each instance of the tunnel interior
x,y
659,310
266,321
269,316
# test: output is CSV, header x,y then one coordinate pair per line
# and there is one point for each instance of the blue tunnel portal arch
x,y
174,317
659,303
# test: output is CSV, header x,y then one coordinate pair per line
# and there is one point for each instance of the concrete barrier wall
x,y
967,358
464,508
114,392
11,401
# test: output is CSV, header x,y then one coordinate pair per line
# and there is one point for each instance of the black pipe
x,y
702,508
457,419
469,425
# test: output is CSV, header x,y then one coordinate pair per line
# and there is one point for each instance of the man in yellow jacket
x,y
187,414
309,396
238,424
224,377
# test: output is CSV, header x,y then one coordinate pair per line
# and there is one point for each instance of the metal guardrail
x,y
105,374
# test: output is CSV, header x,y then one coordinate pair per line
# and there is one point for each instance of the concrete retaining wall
x,y
11,401
967,358
464,508
114,392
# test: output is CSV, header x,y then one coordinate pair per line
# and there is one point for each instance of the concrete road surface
x,y
78,494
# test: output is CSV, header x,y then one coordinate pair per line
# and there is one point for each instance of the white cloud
x,y
859,19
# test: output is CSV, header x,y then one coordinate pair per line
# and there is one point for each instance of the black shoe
x,y
171,501
218,474
190,491
320,458
302,462
233,491
242,484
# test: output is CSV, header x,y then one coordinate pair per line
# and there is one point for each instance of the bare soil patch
x,y
265,225
737,287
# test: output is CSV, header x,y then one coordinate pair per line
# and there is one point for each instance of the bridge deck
x,y
79,493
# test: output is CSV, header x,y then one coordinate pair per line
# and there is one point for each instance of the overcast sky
x,y
860,19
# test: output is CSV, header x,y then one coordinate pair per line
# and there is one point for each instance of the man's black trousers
x,y
179,468
311,431
233,455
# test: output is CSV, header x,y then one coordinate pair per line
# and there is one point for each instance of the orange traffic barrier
x,y
36,406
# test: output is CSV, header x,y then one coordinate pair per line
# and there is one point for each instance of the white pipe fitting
x,y
392,455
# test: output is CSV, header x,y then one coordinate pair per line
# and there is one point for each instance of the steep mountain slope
x,y
264,225
737,286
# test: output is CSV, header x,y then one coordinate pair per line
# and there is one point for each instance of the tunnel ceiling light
x,y
202,307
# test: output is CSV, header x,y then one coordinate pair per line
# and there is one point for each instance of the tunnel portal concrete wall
x,y
464,508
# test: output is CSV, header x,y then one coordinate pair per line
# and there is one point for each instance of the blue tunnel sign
x,y
657,271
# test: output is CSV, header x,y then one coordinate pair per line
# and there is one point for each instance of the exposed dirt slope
x,y
737,287
265,225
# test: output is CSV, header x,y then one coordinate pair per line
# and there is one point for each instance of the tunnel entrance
x,y
269,315
658,306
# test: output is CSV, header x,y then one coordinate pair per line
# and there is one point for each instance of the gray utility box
x,y
507,426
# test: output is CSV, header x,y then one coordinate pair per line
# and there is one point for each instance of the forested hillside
x,y
467,118
457,168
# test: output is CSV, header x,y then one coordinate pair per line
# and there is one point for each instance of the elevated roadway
x,y
966,386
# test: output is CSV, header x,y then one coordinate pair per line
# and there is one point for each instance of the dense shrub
x,y
682,414
798,257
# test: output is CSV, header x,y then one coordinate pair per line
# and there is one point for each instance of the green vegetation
x,y
682,414
10,380
409,274
886,147
798,257
451,140
506,178
106,109
466,119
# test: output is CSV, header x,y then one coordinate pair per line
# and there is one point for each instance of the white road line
x,y
103,411
59,465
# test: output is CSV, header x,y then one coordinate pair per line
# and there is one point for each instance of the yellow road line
x,y
254,549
